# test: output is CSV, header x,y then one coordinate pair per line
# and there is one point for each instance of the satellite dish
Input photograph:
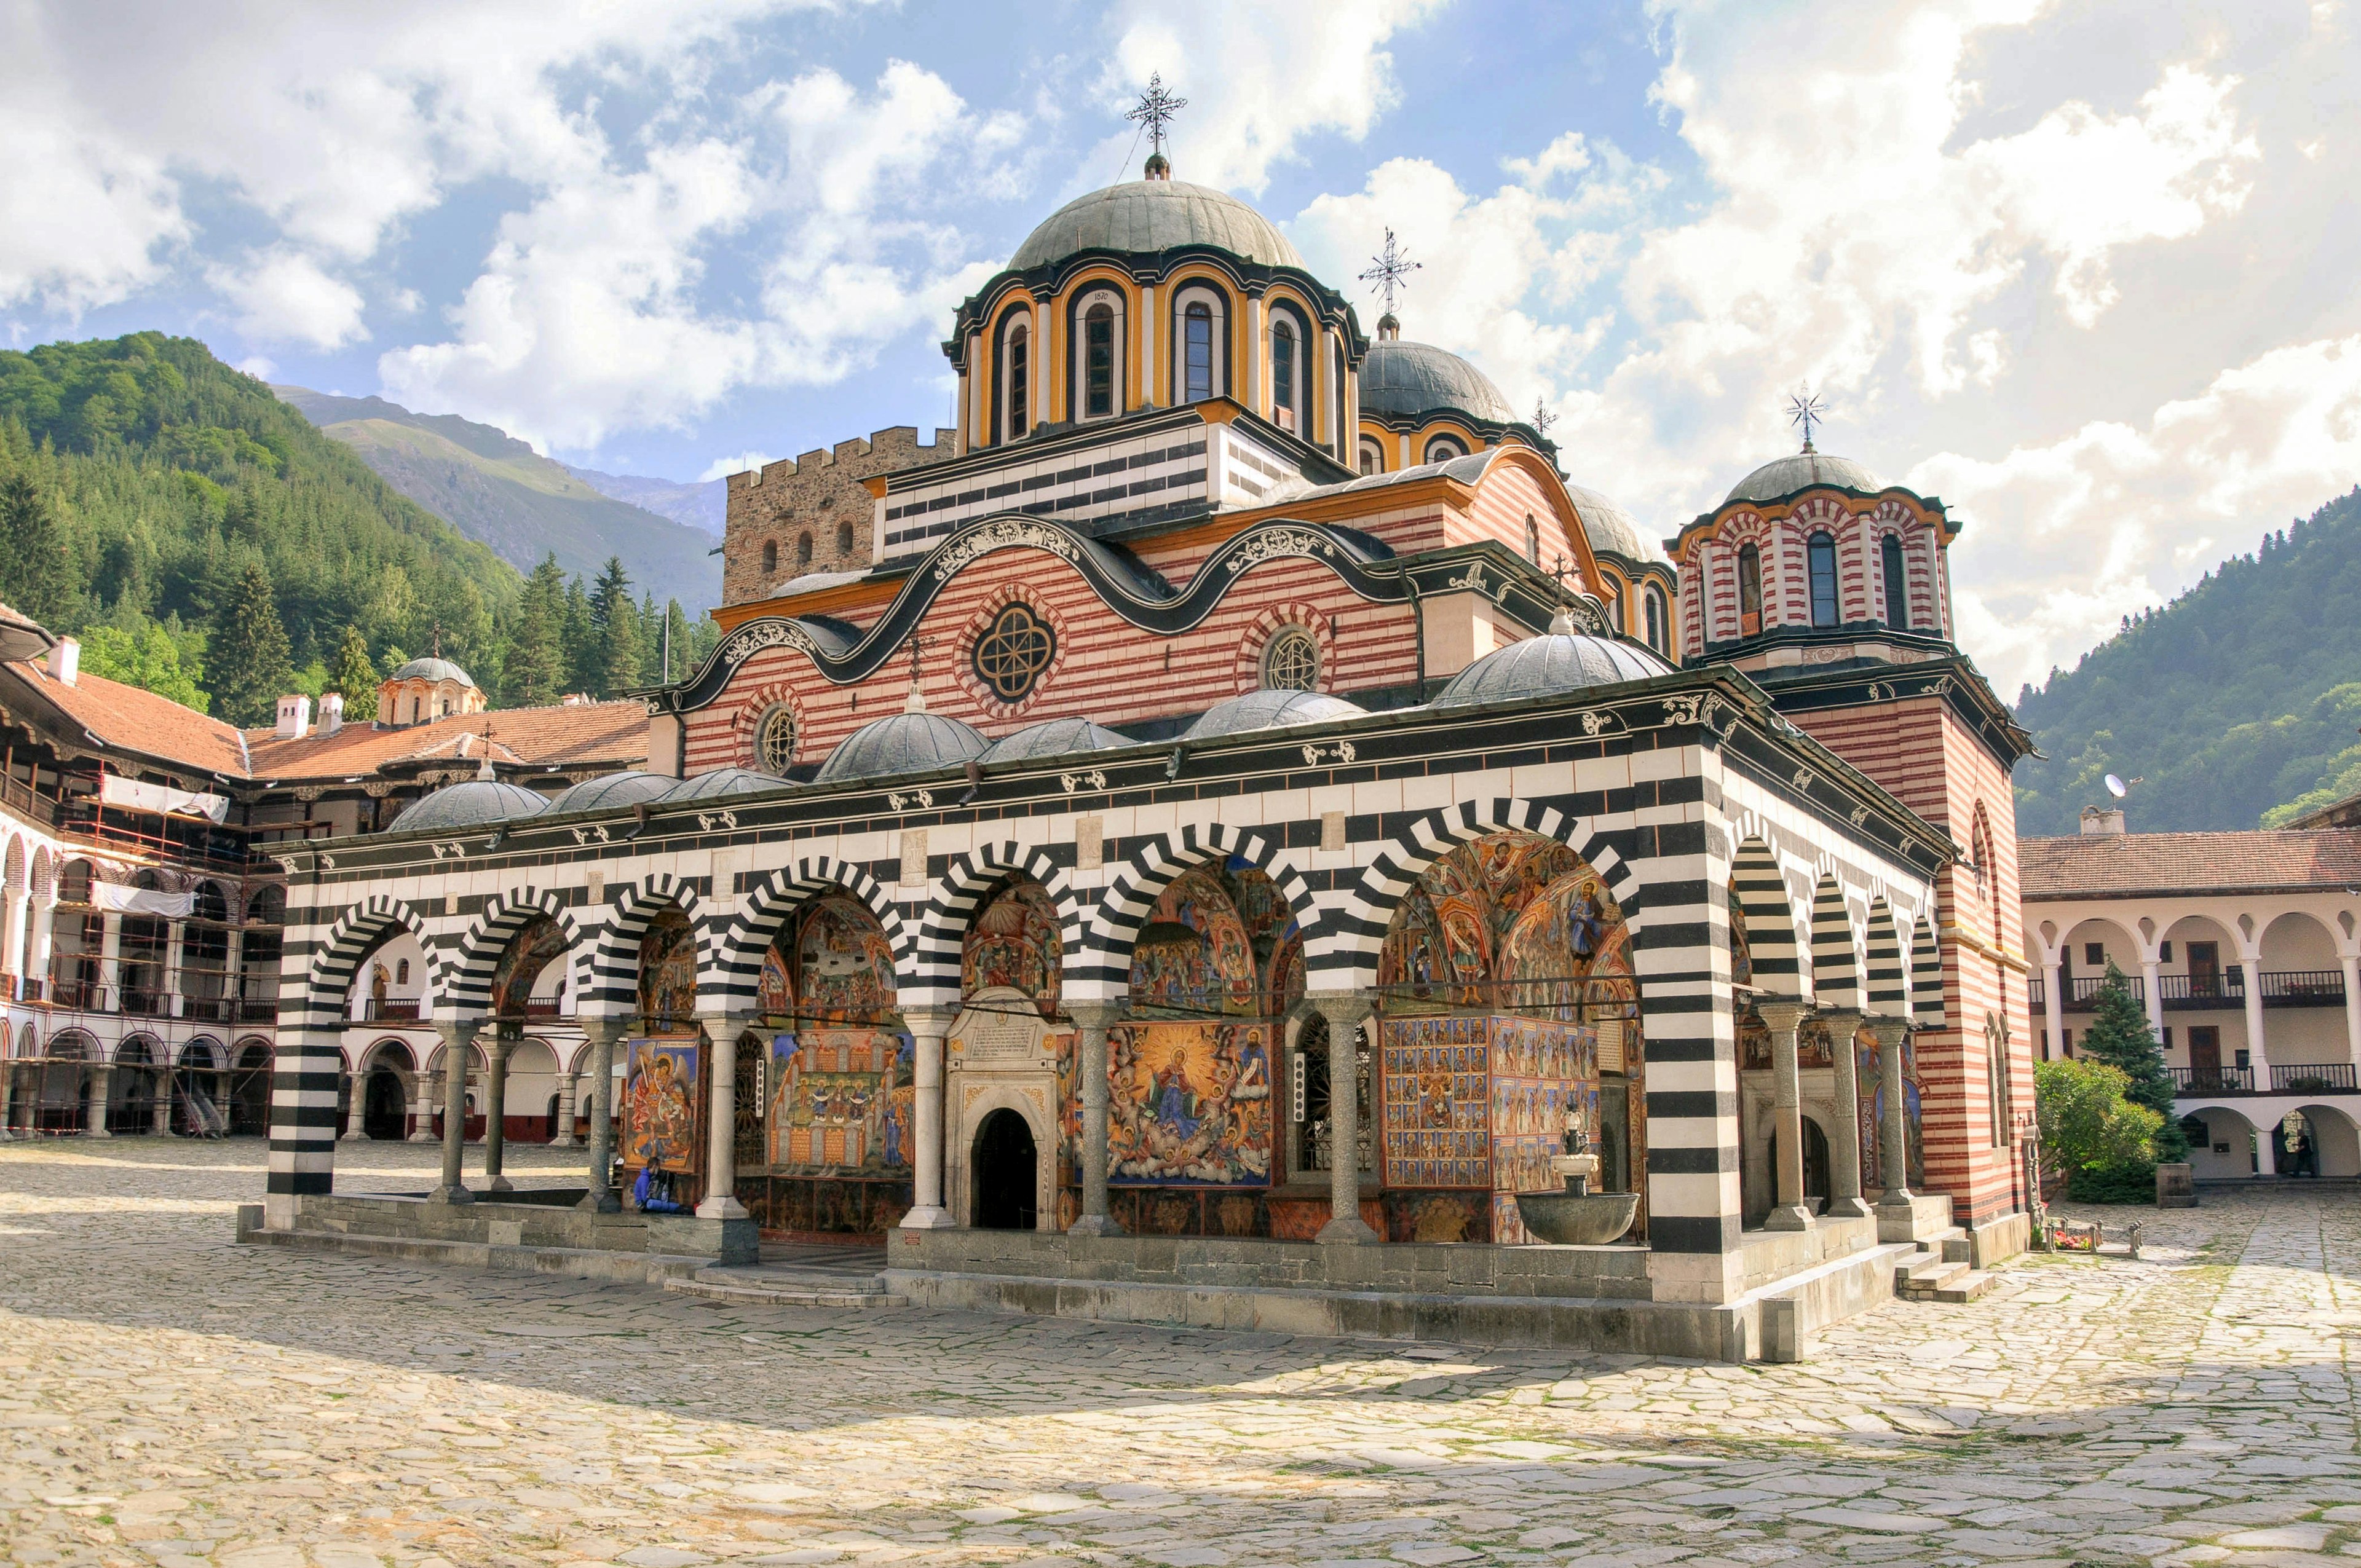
x,y
2116,787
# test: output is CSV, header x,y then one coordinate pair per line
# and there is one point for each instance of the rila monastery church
x,y
1199,841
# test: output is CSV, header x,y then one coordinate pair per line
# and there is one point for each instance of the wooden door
x,y
2204,975
2204,1050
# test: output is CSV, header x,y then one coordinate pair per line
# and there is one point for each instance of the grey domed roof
x,y
1549,664
478,803
431,669
1145,216
720,782
626,788
1783,477
901,743
1412,379
1054,738
1268,709
1609,527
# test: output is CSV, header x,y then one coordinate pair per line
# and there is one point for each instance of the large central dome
x,y
1146,216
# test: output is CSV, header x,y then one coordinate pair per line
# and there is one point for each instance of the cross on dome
x,y
1805,410
1392,268
1155,111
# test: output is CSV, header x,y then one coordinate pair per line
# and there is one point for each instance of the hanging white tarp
x,y
143,900
138,795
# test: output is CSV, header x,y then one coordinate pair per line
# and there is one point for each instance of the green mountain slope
x,y
2235,705
498,490
160,474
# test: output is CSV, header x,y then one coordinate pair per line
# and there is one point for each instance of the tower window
x,y
1098,363
1653,604
1532,540
1820,554
1017,384
1443,449
1897,583
1197,330
802,548
1373,456
844,538
769,556
1282,373
1750,591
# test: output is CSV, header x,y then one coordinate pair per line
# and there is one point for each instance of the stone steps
x,y
789,1288
1941,1270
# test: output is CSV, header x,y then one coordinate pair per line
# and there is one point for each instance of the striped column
x,y
1681,952
302,1123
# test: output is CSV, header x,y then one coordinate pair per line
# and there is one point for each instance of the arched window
x,y
802,548
844,538
1532,540
1197,351
1443,449
1098,363
774,739
1897,583
1286,375
1652,605
770,557
1750,591
1373,456
401,971
1820,555
1290,661
1017,382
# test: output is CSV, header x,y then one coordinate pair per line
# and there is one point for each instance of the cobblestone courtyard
x,y
171,1398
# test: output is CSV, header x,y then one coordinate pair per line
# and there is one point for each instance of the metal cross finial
x,y
1563,567
1391,267
1155,108
1805,410
438,639
1543,417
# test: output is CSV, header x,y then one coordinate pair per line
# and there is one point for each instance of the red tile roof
x,y
122,718
2124,865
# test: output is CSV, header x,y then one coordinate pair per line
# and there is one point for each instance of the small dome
x,y
1268,708
1144,217
723,781
1547,665
626,788
1610,528
1407,379
901,743
1784,477
1055,738
431,669
478,803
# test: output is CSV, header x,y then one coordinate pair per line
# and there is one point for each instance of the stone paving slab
x,y
169,1397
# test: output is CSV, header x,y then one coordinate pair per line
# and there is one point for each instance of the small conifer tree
x,y
2120,1036
354,676
252,664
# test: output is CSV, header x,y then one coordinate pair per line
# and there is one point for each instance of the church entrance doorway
x,y
385,1110
1817,1185
1006,1174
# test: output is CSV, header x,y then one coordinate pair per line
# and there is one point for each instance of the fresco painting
x,y
668,970
659,1103
840,968
1014,941
1193,955
1189,1104
535,948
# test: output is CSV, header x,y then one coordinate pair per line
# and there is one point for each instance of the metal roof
x,y
1549,666
1783,477
478,803
1146,216
1411,378
1268,708
901,743
627,789
1052,737
431,669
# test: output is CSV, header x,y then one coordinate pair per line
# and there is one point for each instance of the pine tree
x,y
354,676
617,632
34,575
579,637
252,664
2120,1036
652,625
534,675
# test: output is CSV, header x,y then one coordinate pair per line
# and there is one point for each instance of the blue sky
x,y
2081,269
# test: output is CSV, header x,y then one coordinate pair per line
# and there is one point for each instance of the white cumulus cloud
x,y
283,296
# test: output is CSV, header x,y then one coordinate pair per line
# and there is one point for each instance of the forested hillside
x,y
208,542
498,490
2235,705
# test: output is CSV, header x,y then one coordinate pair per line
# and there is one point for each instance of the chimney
x,y
2104,823
65,662
294,716
332,712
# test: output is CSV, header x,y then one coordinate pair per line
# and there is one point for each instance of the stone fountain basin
x,y
1593,1219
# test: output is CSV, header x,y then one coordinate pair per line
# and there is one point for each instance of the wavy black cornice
x,y
1362,562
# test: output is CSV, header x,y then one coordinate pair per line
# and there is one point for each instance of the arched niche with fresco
x,y
1512,1006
